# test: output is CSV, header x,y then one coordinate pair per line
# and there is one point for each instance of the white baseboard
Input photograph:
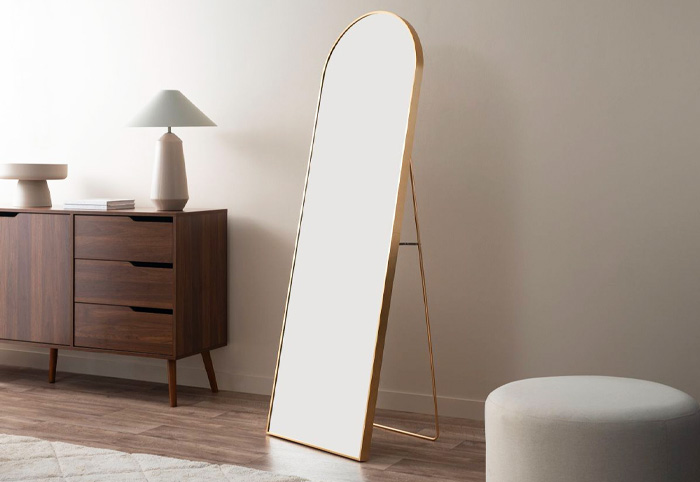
x,y
154,371
135,368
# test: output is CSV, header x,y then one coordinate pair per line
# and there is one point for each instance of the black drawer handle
x,y
8,215
152,219
161,311
144,264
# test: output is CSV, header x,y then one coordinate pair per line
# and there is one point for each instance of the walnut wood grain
x,y
35,278
209,367
10,277
139,211
53,361
173,261
35,345
126,238
121,283
122,328
201,307
172,382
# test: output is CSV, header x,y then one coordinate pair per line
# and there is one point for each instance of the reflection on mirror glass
x,y
330,338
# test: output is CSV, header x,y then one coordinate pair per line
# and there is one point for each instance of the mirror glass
x,y
333,335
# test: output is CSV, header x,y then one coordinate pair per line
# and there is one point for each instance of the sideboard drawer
x,y
123,283
127,238
123,328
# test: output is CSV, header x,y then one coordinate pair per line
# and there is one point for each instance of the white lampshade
x,y
170,108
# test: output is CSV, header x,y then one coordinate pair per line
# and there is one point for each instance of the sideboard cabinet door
x,y
35,278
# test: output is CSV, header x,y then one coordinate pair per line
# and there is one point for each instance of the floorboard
x,y
227,427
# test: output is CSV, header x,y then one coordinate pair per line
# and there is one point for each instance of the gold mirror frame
x,y
393,252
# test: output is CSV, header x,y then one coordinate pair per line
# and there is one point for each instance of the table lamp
x,y
170,108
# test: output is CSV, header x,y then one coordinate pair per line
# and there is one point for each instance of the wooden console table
x,y
137,282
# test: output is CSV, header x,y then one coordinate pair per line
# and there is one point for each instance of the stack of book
x,y
99,204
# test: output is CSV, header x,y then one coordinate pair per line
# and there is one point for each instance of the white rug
x,y
28,458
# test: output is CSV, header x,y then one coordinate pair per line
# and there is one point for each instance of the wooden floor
x,y
227,427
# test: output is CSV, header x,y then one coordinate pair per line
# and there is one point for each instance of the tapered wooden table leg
x,y
53,360
209,366
172,383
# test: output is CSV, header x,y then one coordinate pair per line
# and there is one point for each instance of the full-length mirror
x,y
338,302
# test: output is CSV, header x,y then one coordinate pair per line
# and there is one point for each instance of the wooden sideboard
x,y
136,282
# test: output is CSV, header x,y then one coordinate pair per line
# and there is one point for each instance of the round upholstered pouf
x,y
591,429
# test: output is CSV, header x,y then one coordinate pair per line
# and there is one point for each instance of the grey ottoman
x,y
591,429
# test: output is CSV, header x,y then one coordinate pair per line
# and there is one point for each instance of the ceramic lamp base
x,y
169,204
169,189
32,194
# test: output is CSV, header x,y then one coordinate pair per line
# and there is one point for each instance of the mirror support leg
x,y
419,245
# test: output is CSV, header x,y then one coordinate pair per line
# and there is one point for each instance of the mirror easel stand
x,y
419,245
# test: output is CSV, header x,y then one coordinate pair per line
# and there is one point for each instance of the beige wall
x,y
556,156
